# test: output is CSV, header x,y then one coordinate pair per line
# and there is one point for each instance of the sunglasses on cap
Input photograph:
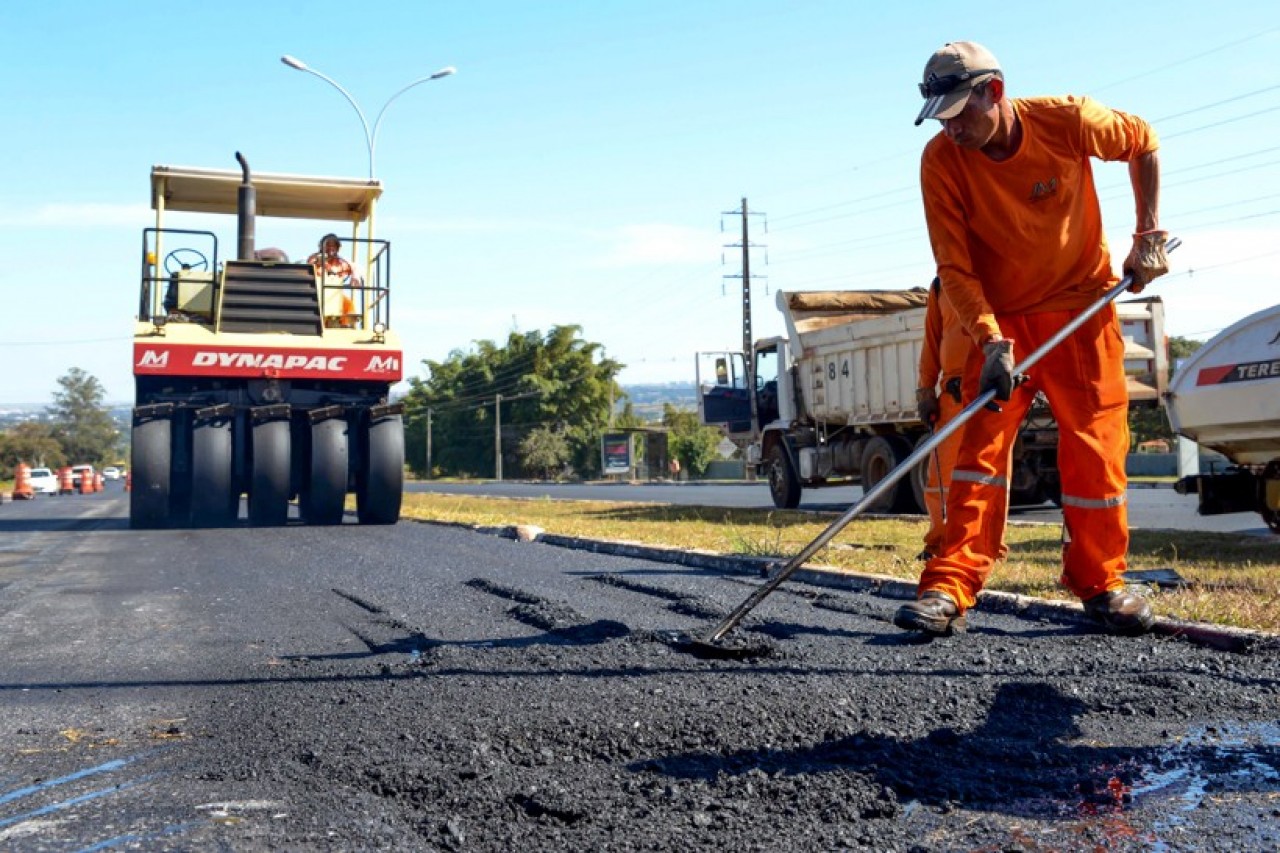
x,y
948,83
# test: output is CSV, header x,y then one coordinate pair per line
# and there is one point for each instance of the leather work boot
x,y
933,613
1121,612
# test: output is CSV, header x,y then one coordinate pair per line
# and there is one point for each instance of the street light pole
x,y
370,137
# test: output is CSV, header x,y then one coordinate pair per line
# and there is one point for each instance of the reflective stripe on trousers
x,y
1092,503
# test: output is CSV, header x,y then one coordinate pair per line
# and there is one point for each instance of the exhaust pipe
x,y
247,205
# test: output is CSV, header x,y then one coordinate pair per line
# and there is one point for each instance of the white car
x,y
44,481
111,472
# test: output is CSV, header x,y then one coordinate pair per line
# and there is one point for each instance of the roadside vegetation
x,y
543,401
1228,579
76,429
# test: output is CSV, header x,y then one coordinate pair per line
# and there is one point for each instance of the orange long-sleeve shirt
x,y
1024,235
946,343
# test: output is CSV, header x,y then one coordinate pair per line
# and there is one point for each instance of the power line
x,y
1187,59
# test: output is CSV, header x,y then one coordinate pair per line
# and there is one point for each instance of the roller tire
x,y
324,497
149,461
269,479
213,503
380,481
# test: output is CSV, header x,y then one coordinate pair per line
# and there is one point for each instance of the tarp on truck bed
x,y
810,310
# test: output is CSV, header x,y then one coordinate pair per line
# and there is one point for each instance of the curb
x,y
1221,637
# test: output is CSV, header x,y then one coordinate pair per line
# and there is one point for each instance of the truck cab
x,y
725,399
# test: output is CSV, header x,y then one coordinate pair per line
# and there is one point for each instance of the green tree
x,y
627,418
81,424
690,441
534,381
31,442
545,452
1180,348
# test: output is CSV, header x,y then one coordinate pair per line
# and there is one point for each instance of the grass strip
x,y
1228,579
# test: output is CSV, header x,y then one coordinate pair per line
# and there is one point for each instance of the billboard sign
x,y
615,453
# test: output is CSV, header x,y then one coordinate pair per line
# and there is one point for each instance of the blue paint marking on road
x,y
65,804
134,837
108,767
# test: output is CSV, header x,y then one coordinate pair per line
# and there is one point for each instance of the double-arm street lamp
x,y
370,137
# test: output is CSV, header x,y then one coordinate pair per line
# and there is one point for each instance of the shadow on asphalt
x,y
1026,758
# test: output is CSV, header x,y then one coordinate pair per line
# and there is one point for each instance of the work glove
x,y
927,405
997,369
1147,259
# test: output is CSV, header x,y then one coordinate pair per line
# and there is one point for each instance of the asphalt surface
x,y
420,687
1149,506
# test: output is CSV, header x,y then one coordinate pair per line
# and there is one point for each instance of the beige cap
x,y
950,75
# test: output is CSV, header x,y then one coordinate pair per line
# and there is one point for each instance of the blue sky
x,y
576,168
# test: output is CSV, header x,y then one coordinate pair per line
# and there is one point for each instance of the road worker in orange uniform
x,y
938,393
1018,242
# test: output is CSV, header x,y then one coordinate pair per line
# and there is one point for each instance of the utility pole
x,y
428,443
497,437
748,355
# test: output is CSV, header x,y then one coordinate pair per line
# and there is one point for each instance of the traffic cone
x,y
97,481
22,490
66,483
86,483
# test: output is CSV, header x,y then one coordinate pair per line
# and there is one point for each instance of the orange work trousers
x,y
1083,380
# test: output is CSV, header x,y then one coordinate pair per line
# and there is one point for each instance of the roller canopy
x,y
184,188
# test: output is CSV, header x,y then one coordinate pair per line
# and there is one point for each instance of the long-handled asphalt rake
x,y
710,648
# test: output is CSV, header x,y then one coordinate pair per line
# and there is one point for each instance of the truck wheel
x,y
269,484
149,461
380,481
919,478
1269,515
784,485
1272,518
1052,492
212,502
882,454
322,500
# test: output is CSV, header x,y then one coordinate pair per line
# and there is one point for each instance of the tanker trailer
x,y
1226,397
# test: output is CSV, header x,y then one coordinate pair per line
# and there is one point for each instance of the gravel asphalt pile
x,y
534,699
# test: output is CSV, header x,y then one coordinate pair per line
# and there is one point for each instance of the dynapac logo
x,y
151,358
269,361
379,364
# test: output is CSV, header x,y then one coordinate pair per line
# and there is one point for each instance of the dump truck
x,y
259,376
1226,397
832,402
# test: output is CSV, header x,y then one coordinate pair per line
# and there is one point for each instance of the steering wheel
x,y
185,259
